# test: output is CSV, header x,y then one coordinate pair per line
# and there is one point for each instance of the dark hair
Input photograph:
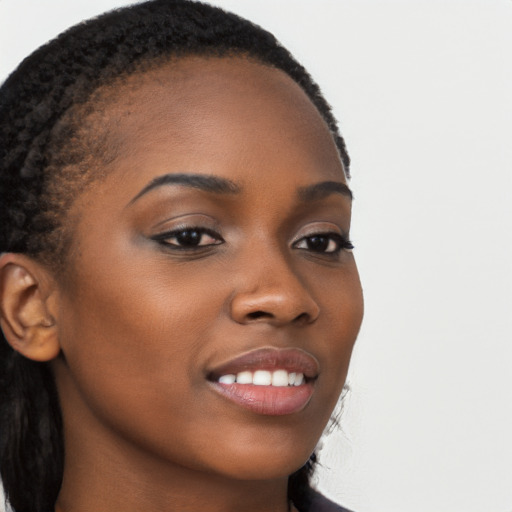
x,y
41,164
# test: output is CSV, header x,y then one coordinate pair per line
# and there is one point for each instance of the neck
x,y
153,488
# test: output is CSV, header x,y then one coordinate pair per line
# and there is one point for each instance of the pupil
x,y
189,238
318,243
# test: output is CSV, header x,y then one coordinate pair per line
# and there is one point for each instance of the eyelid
x,y
175,232
318,228
186,221
341,240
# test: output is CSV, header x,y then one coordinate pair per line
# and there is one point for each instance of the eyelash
x,y
164,238
341,242
196,234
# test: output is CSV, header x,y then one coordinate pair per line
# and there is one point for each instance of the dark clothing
x,y
320,503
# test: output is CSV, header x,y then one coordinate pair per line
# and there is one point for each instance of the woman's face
x,y
216,246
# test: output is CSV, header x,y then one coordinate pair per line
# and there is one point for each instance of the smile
x,y
268,381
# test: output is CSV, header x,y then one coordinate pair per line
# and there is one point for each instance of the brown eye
x,y
189,238
324,243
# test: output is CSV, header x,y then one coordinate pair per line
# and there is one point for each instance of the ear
x,y
28,307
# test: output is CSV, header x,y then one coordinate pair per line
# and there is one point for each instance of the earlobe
x,y
27,307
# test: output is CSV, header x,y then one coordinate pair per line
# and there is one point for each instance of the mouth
x,y
268,381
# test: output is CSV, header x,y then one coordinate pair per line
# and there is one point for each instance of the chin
x,y
266,462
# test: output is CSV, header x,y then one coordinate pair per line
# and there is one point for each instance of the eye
x,y
189,238
324,243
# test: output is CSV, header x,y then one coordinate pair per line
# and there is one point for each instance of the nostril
x,y
258,314
302,318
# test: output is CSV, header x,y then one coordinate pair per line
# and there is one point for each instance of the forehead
x,y
232,107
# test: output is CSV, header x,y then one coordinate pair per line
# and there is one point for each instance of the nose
x,y
271,292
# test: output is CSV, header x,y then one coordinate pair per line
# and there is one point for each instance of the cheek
x,y
133,354
342,316
132,339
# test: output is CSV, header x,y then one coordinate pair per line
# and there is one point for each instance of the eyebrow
x,y
204,182
324,189
218,185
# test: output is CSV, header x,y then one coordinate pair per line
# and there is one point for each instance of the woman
x,y
178,296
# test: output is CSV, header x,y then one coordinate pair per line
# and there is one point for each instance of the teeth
x,y
228,379
244,378
262,378
278,378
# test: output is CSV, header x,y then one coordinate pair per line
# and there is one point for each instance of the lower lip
x,y
267,400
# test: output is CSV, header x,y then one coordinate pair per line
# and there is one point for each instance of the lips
x,y
267,381
269,359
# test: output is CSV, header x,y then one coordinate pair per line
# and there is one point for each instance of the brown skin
x,y
141,323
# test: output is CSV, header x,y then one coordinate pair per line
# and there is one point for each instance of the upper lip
x,y
290,359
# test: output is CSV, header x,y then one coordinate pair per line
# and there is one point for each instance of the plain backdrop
x,y
422,90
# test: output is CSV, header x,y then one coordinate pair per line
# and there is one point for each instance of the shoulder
x,y
319,503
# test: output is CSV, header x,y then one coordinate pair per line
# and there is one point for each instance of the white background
x,y
422,90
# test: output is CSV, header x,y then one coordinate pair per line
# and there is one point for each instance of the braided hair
x,y
43,166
